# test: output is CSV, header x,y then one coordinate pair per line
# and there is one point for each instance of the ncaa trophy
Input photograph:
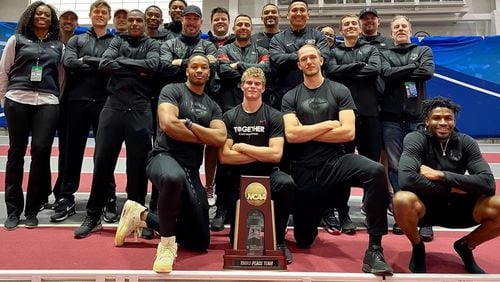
x,y
254,246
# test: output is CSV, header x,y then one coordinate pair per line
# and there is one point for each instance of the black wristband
x,y
188,123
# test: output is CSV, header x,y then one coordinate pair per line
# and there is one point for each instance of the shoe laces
x,y
167,252
89,221
377,252
210,189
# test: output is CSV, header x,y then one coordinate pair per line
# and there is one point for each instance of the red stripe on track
x,y
492,157
89,151
85,181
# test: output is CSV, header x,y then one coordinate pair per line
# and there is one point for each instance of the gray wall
x,y
11,10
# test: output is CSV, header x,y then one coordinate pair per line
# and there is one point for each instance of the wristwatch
x,y
188,123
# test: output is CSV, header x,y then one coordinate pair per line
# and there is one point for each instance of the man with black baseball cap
x,y
370,21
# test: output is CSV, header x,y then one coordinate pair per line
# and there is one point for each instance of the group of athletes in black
x,y
290,104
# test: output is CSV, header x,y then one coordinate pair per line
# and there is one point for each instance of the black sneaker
x,y
31,221
467,257
330,222
363,211
417,261
43,206
374,262
397,230
426,233
147,233
288,253
219,219
390,209
109,211
64,209
11,222
90,224
346,223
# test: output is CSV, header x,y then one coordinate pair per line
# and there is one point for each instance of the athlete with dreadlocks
x,y
435,189
29,90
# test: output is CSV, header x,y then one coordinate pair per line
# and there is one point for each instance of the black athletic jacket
x,y
379,41
230,79
461,154
81,60
283,52
357,68
405,63
131,63
183,47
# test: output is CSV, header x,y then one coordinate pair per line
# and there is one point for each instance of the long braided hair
x,y
25,24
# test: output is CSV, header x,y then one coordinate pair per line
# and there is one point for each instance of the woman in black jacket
x,y
29,87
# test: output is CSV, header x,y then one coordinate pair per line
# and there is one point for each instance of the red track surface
x,y
55,248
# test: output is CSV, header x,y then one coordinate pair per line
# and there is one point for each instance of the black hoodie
x,y
131,63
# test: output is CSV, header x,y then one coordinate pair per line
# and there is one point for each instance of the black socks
x,y
467,257
375,240
417,261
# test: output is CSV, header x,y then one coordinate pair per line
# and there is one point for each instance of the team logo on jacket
x,y
310,41
455,155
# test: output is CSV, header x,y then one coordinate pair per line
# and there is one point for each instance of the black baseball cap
x,y
368,10
192,9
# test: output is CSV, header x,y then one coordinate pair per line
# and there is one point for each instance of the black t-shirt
x,y
313,106
254,129
200,109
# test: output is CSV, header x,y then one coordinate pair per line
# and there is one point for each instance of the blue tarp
x,y
467,70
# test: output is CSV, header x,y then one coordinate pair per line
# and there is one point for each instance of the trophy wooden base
x,y
240,260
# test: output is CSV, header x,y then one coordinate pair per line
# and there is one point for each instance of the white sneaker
x,y
211,195
130,220
165,255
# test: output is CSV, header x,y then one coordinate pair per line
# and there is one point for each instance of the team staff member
x,y
120,21
174,53
85,95
131,60
29,91
68,21
370,23
235,58
220,34
319,117
436,191
188,120
284,46
254,146
405,69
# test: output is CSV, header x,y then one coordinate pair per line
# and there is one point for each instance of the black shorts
x,y
453,211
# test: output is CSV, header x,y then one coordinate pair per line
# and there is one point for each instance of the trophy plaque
x,y
254,246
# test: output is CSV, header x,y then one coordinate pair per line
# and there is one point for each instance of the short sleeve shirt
x,y
312,106
200,109
254,129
